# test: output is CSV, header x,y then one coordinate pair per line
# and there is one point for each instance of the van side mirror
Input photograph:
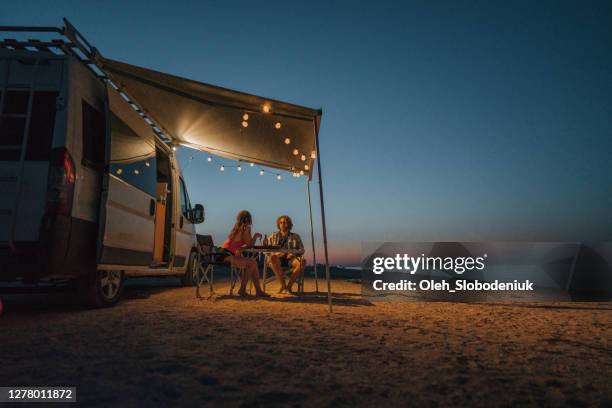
x,y
198,214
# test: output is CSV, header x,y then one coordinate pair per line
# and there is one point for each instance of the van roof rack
x,y
75,45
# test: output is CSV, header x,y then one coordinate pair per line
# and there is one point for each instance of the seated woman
x,y
238,238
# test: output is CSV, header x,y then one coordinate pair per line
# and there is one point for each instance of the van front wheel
x,y
192,272
101,288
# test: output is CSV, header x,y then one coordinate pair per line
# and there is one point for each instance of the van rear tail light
x,y
60,184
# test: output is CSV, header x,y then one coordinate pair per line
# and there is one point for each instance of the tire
x,y
191,276
101,288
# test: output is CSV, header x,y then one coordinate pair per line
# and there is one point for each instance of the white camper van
x,y
89,192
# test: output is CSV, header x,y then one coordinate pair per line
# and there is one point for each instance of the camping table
x,y
269,251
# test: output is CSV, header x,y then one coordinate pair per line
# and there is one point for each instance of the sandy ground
x,y
161,346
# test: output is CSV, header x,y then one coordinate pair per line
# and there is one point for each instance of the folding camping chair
x,y
207,259
286,271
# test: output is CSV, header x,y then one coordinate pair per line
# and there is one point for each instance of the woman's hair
x,y
243,219
289,221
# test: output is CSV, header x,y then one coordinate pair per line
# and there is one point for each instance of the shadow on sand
x,y
587,306
341,299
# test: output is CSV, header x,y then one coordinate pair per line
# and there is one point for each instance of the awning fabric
x,y
210,118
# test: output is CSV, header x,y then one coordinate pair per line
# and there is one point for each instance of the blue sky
x,y
442,120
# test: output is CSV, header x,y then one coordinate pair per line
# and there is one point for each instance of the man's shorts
x,y
286,262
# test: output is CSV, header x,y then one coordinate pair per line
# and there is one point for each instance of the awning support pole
x,y
327,277
314,253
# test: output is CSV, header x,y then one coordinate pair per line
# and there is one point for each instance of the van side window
x,y
94,131
132,157
42,125
185,203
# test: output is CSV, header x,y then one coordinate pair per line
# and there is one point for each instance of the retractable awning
x,y
223,122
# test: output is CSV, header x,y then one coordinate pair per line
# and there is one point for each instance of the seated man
x,y
286,239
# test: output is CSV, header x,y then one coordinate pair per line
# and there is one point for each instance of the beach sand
x,y
162,346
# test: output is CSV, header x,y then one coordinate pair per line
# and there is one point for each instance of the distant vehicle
x,y
88,191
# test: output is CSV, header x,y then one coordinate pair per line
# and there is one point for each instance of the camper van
x,y
89,191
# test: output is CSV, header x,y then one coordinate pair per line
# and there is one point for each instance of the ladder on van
x,y
75,45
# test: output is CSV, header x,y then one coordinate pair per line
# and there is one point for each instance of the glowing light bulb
x,y
239,168
278,176
149,165
209,159
296,152
266,108
301,172
245,123
222,168
174,148
313,155
245,116
303,157
261,172
136,171
306,167
119,171
287,140
252,164
277,125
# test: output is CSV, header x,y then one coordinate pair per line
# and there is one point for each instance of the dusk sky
x,y
465,121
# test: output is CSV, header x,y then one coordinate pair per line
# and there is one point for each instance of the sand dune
x,y
162,346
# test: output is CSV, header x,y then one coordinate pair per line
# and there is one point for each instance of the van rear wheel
x,y
101,288
192,273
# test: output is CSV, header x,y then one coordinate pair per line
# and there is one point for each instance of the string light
x,y
245,116
303,157
266,108
174,148
136,171
296,152
245,124
313,155
149,165
306,167
238,167
277,125
119,171
287,140
301,172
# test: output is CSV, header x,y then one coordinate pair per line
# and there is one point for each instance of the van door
x,y
128,195
185,229
29,91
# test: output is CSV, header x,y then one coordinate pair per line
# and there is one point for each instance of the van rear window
x,y
16,102
14,118
11,131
